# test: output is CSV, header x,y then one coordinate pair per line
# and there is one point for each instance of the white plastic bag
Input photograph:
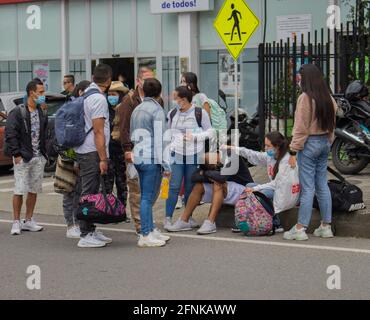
x,y
131,171
287,190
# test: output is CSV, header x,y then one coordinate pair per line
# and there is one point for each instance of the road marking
x,y
222,239
45,184
6,181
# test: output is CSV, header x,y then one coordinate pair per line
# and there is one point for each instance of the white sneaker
x,y
295,234
90,242
179,203
73,232
158,235
324,232
179,226
150,242
193,223
98,235
208,227
167,223
31,226
16,228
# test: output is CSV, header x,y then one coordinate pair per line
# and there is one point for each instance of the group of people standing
x,y
115,119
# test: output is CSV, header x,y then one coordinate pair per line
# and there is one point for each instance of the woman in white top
x,y
190,127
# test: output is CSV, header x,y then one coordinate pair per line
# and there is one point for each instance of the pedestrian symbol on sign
x,y
235,24
235,15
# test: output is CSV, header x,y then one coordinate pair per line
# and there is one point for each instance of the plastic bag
x,y
131,171
287,190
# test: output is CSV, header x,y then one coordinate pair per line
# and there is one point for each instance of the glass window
x,y
99,27
8,82
43,41
217,73
146,27
170,32
8,35
122,26
78,69
48,71
170,79
77,38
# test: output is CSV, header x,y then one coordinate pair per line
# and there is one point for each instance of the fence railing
x,y
342,55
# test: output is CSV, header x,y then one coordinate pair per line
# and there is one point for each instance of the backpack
x,y
254,214
346,197
70,122
198,115
23,111
218,115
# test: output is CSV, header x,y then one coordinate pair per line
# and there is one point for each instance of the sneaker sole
x,y
151,246
27,230
181,230
70,237
295,239
90,246
15,233
206,233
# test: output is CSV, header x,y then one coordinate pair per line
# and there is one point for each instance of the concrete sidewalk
x,y
349,225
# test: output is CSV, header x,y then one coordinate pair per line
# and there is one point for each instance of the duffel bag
x,y
101,208
346,197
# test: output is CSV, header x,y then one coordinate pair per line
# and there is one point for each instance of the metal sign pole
x,y
236,102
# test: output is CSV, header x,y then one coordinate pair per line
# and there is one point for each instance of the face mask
x,y
113,100
271,153
40,100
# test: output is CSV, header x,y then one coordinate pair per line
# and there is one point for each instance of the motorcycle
x,y
248,127
351,148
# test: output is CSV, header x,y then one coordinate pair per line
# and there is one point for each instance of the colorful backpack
x,y
101,208
218,115
252,217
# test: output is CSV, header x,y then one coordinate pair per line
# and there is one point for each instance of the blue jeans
x,y
181,170
313,177
150,176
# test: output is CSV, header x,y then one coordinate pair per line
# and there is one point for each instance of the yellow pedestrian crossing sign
x,y
235,24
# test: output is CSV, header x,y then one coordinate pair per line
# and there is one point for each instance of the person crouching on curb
x,y
149,159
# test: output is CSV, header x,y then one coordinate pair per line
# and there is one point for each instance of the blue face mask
x,y
113,100
40,100
271,153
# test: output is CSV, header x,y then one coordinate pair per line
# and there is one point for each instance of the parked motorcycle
x,y
351,148
248,127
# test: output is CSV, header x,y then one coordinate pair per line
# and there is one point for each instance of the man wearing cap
x,y
117,166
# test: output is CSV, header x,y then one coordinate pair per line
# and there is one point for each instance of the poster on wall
x,y
291,26
41,71
227,75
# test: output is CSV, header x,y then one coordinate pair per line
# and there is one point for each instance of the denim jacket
x,y
148,130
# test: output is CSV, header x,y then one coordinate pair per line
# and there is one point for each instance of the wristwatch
x,y
293,153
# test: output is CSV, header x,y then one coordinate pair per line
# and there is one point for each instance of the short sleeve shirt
x,y
96,107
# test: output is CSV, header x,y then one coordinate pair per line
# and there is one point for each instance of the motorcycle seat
x,y
363,105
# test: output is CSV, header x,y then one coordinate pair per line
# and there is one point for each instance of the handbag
x,y
101,208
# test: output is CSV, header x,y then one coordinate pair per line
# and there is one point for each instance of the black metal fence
x,y
342,55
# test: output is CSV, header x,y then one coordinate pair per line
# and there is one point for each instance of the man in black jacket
x,y
26,130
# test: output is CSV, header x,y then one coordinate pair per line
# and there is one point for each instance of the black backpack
x,y
346,197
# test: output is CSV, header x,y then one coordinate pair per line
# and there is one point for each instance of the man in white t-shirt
x,y
93,154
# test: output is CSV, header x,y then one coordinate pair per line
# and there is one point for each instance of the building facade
x,y
51,38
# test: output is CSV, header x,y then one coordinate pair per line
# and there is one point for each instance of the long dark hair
x,y
191,80
282,145
314,85
82,86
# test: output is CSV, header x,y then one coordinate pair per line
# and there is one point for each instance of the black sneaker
x,y
235,229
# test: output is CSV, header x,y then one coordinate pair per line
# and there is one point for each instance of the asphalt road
x,y
222,266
